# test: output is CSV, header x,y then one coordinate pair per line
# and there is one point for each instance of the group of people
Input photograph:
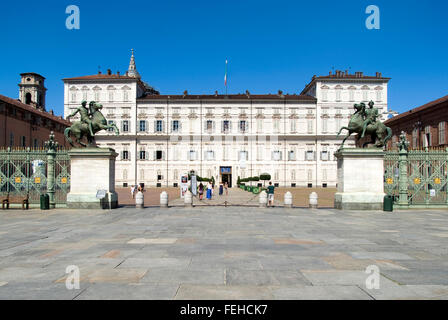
x,y
209,189
134,189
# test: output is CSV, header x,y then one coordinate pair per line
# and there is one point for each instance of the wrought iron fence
x,y
24,171
417,177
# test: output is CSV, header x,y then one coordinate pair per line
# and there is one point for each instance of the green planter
x,y
256,190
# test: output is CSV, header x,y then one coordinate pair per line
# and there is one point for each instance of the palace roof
x,y
33,110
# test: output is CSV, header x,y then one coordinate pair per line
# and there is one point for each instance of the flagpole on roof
x,y
225,78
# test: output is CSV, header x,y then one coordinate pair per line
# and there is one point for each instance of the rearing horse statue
x,y
79,129
378,132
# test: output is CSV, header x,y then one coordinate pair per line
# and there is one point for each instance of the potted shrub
x,y
265,177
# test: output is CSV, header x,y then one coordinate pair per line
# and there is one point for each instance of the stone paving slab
x,y
223,253
320,293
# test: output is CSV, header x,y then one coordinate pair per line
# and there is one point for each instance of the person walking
x,y
271,194
221,188
226,188
133,191
209,191
201,191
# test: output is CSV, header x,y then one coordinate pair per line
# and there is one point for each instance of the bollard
x,y
188,199
313,200
288,200
139,200
263,200
164,200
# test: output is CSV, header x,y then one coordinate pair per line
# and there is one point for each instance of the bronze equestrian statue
x,y
364,122
92,121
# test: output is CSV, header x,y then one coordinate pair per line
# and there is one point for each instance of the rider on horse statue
x,y
85,114
365,122
371,115
92,121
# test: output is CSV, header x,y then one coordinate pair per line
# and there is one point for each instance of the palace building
x,y
162,136
24,122
424,126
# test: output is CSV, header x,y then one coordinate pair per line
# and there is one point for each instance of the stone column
x,y
403,178
313,200
263,199
164,200
360,179
51,145
188,199
51,155
288,200
139,200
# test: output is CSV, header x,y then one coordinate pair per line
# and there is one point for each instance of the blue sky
x,y
270,45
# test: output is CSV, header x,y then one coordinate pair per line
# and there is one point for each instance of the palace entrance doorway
x,y
226,175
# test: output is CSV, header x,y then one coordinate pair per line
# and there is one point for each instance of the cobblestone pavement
x,y
223,253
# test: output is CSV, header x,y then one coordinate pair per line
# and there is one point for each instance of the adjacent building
x,y
425,126
290,136
25,121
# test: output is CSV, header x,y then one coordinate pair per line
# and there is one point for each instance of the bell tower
x,y
32,90
132,70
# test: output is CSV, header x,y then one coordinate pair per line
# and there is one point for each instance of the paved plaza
x,y
220,252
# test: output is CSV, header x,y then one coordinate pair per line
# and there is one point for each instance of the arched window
x,y
85,91
111,90
96,95
379,93
338,89
325,93
351,93
365,93
310,175
73,94
28,98
125,93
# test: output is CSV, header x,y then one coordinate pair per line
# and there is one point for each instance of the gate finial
x,y
403,144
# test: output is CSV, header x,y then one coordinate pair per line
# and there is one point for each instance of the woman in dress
x,y
201,191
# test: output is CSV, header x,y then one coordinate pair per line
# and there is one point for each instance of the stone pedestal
x,y
360,179
92,169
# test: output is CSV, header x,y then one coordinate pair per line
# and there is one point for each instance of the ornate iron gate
x,y
26,171
417,177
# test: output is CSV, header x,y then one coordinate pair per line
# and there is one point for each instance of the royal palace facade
x,y
292,137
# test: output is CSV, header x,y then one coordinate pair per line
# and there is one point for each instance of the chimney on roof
x,y
118,73
247,93
280,93
346,72
109,72
216,93
185,93
361,74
